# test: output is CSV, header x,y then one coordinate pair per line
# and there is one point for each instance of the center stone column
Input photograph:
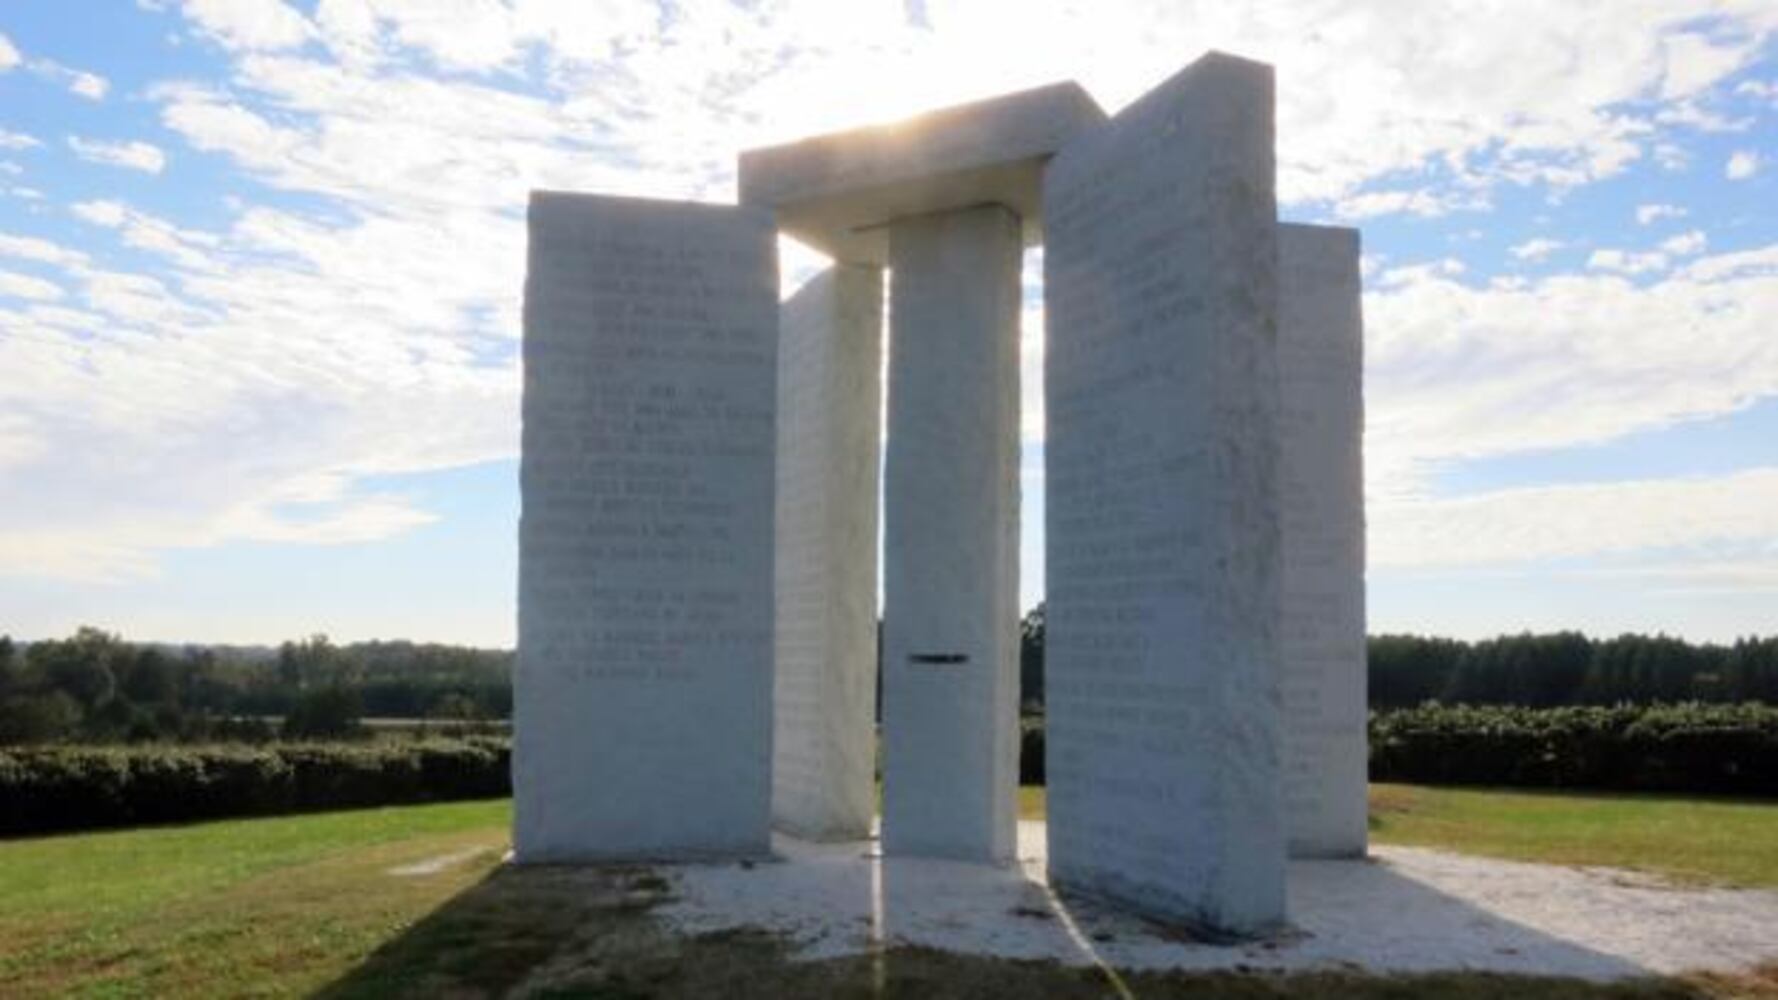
x,y
951,525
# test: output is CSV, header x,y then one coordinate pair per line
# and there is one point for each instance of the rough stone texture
x,y
1321,484
951,513
829,417
836,192
1163,557
642,713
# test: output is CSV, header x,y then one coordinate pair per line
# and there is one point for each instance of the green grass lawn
x,y
247,907
1690,840
311,904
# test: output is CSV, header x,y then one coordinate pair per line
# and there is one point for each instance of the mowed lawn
x,y
1690,840
262,907
413,901
1716,841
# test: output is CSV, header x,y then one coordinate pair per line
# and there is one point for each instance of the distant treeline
x,y
1567,668
94,687
1536,671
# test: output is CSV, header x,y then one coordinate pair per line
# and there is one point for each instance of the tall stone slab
x,y
950,552
642,715
1321,372
1162,658
829,422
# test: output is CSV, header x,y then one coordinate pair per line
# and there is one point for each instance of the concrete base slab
x,y
1403,910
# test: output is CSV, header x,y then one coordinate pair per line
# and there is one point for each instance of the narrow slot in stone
x,y
938,658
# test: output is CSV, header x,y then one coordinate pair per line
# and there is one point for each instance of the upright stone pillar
x,y
643,692
829,420
1321,372
1162,654
950,617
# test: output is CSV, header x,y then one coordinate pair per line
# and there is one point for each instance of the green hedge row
x,y
46,789
1692,748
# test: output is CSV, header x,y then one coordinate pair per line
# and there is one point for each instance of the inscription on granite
x,y
950,536
642,712
1163,542
1320,361
829,420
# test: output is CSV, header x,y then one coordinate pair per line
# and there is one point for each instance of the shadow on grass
x,y
558,931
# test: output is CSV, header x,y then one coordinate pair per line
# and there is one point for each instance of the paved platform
x,y
1402,909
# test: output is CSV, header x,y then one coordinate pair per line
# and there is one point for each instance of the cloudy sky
x,y
260,266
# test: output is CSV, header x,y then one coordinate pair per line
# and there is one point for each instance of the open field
x,y
243,907
1691,840
412,901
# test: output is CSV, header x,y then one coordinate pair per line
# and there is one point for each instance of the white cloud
x,y
469,36
89,85
9,53
1654,212
25,286
187,248
1671,157
338,352
1691,115
481,36
1627,261
1418,202
1694,61
150,391
100,213
1742,165
1455,371
375,333
1761,90
1552,522
1685,244
349,521
1738,266
1482,99
1535,249
133,155
32,248
17,442
17,140
250,24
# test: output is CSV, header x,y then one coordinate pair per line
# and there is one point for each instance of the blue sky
x,y
260,266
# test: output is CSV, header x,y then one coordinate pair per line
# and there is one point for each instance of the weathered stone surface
x,y
836,192
1321,372
829,420
1162,531
642,713
951,515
